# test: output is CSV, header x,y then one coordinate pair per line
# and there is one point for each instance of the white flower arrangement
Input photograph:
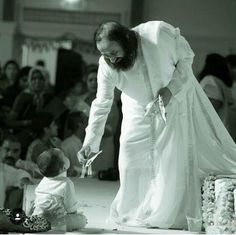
x,y
218,213
208,200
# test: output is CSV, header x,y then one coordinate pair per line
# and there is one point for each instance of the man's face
x,y
11,72
10,152
115,55
92,82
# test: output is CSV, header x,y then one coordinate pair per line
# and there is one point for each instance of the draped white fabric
x,y
160,164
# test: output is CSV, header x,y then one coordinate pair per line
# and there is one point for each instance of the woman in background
x,y
9,74
20,84
30,101
216,81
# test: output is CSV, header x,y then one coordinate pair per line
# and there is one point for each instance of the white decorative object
x,y
219,204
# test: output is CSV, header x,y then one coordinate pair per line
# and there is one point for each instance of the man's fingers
x,y
87,151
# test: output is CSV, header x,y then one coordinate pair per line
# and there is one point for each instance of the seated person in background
x,y
216,81
46,131
10,154
73,94
10,151
30,101
9,74
33,99
41,63
55,195
20,84
76,123
11,178
231,60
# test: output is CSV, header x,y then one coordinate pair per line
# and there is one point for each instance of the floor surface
x,y
95,197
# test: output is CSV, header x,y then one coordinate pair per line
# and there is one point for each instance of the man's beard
x,y
123,64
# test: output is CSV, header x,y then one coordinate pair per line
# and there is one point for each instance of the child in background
x,y
10,154
76,123
55,195
46,130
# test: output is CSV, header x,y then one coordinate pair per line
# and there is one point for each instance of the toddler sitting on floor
x,y
55,195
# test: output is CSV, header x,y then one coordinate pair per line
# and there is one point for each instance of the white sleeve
x,y
184,54
100,107
70,200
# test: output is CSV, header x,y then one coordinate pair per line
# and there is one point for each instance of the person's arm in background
x,y
99,111
16,177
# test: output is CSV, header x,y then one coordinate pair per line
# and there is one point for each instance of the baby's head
x,y
52,162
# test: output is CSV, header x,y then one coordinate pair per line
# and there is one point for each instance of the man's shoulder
x,y
155,23
155,26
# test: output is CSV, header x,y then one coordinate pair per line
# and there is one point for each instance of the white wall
x,y
98,5
54,30
102,6
85,32
209,25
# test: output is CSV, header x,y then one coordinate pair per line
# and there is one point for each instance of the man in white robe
x,y
161,162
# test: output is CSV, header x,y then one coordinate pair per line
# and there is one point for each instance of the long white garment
x,y
161,164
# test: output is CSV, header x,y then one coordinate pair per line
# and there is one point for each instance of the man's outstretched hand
x,y
84,154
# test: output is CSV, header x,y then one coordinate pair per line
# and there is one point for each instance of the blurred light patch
x,y
73,4
71,1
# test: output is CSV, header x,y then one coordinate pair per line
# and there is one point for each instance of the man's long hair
x,y
127,39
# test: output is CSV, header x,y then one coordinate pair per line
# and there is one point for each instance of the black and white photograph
x,y
118,117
